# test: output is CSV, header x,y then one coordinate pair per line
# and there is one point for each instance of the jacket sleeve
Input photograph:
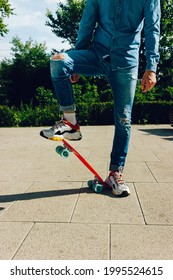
x,y
87,25
152,33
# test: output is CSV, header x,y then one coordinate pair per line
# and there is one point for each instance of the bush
x,y
96,113
142,113
156,112
45,97
27,115
87,114
8,116
38,116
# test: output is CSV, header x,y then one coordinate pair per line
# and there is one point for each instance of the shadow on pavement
x,y
44,194
163,132
37,195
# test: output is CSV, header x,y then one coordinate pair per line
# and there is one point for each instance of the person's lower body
x,y
123,84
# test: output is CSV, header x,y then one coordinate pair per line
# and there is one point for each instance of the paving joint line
x,y
23,241
140,205
82,183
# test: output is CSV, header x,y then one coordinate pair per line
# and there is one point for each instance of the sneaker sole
x,y
58,138
123,194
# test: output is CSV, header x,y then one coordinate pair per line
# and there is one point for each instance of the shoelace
x,y
59,123
118,177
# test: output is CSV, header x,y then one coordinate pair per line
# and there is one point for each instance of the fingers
x,y
147,85
148,81
74,78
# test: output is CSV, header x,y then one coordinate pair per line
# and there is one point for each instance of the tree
x,y
5,11
28,70
66,22
165,68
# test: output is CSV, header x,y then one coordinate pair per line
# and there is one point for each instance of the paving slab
x,y
12,235
10,192
106,208
162,171
10,168
152,136
141,242
142,156
78,172
66,241
164,155
138,172
48,201
156,200
45,170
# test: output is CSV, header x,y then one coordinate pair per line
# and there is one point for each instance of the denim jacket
x,y
113,27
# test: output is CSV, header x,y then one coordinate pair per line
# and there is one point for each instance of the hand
x,y
74,78
148,80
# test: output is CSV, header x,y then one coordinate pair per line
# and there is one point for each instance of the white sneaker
x,y
115,181
62,129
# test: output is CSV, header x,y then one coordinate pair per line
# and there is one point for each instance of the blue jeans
x,y
122,82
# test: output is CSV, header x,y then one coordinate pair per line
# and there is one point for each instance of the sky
x,y
29,22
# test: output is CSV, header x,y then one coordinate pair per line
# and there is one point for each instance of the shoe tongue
x,y
66,122
70,124
115,172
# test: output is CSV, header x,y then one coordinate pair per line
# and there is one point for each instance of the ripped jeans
x,y
122,82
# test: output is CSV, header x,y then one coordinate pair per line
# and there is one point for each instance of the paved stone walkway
x,y
48,212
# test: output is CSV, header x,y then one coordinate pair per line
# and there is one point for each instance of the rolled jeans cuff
x,y
68,108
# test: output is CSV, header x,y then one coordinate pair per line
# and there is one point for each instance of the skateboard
x,y
97,184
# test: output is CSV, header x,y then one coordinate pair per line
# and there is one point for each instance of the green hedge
x,y
95,114
156,112
28,116
87,114
143,113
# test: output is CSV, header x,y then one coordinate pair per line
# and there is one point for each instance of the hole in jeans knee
x,y
58,56
124,121
125,126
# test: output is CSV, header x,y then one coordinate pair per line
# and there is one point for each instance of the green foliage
x,y
31,54
166,39
151,112
168,93
151,95
28,69
5,12
27,115
165,67
66,22
86,91
37,116
155,94
8,116
45,97
88,114
95,113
